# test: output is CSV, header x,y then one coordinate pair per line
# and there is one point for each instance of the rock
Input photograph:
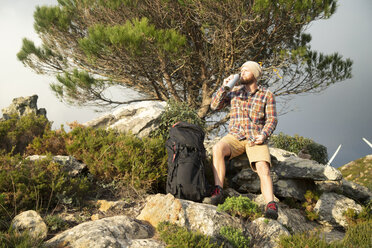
x,y
139,118
293,188
32,222
105,206
332,206
304,153
280,154
117,231
246,181
266,233
328,186
294,167
23,106
194,216
356,191
294,220
69,163
142,243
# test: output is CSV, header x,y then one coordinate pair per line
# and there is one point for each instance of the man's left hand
x,y
259,139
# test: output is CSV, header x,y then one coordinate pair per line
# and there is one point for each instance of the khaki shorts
x,y
254,153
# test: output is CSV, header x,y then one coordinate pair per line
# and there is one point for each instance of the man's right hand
x,y
227,80
230,81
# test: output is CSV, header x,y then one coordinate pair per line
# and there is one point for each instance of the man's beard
x,y
247,81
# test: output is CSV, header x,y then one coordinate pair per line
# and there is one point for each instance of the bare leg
x,y
263,171
220,151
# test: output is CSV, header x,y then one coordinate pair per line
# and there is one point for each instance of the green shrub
x,y
43,184
180,237
52,141
240,206
175,112
235,237
14,239
109,155
16,133
297,143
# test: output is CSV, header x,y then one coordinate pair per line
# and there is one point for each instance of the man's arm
x,y
271,116
223,96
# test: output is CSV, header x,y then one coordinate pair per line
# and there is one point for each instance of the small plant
x,y
235,237
309,205
353,218
15,239
180,237
55,223
240,206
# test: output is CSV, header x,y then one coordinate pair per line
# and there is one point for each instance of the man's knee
x,y
221,149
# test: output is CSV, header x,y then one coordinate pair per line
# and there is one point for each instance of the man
x,y
253,119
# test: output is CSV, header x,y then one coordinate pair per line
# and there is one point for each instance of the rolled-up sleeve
x,y
220,99
271,119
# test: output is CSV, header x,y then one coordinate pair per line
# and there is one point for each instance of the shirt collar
x,y
242,88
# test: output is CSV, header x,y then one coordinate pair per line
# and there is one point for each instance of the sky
x,y
340,115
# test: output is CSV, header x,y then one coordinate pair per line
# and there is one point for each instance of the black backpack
x,y
186,155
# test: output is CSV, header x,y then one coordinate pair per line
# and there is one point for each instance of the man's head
x,y
250,72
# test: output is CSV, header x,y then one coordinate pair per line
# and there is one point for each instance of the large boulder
x,y
331,208
117,231
23,106
194,216
140,118
32,222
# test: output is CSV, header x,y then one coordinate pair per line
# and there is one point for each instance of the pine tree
x,y
179,49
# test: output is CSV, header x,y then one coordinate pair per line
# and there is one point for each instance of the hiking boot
x,y
271,210
216,197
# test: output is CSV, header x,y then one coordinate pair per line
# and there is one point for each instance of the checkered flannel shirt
x,y
251,114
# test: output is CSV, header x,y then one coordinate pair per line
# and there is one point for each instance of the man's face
x,y
246,76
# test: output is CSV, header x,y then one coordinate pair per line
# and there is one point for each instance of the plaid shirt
x,y
251,114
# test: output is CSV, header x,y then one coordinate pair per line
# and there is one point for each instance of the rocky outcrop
x,y
118,231
292,176
32,222
139,118
23,106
